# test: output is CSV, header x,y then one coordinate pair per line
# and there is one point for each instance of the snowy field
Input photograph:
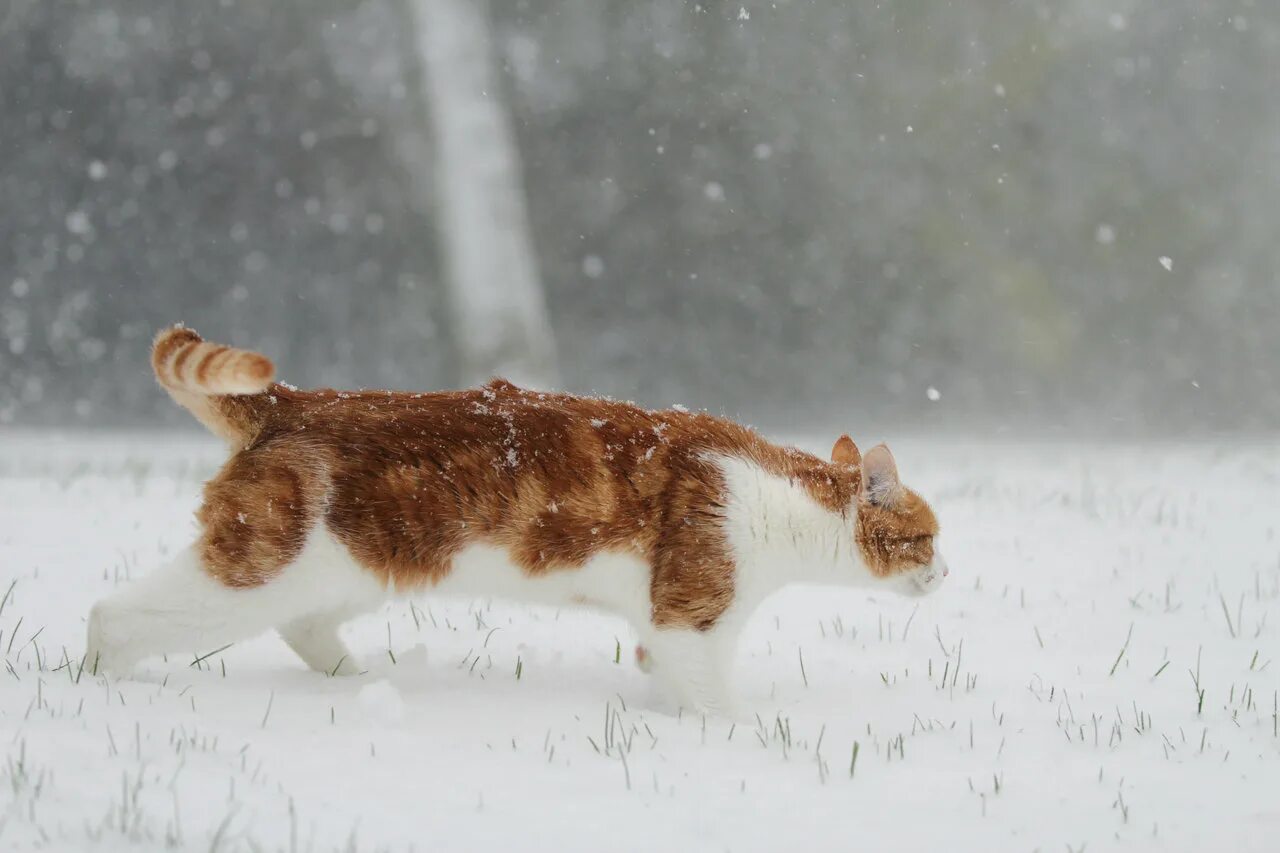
x,y
1100,673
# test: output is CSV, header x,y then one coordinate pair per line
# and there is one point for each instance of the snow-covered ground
x,y
1100,672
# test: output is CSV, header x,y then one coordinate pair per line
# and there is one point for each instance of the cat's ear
x,y
880,483
845,452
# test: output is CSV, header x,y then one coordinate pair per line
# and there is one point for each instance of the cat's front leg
x,y
694,667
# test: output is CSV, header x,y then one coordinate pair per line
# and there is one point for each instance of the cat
x,y
680,522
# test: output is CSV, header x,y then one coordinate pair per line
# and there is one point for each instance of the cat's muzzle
x,y
928,578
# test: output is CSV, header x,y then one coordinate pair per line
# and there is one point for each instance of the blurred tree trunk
x,y
499,312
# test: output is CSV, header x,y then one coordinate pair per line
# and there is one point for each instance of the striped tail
x,y
184,361
212,381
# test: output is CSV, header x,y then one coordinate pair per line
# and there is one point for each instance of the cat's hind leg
x,y
317,641
184,608
177,608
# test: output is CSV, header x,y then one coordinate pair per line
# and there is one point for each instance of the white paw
x,y
721,708
700,700
102,653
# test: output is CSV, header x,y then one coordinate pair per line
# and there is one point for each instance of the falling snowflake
x,y
78,223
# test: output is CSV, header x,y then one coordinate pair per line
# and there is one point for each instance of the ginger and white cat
x,y
681,523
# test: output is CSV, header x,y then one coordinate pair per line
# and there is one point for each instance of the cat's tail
x,y
184,361
215,383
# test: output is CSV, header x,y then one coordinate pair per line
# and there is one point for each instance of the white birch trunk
x,y
499,312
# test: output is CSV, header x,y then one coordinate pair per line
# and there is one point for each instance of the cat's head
x,y
895,530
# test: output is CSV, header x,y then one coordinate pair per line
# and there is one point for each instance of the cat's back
x,y
504,423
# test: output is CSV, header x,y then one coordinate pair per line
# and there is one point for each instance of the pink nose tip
x,y
946,570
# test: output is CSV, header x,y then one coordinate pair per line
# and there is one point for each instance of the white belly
x,y
610,581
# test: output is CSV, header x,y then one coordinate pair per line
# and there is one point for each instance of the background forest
x,y
1014,216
